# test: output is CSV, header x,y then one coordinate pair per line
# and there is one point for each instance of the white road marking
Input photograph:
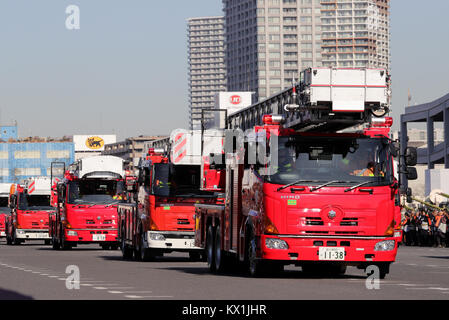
x,y
430,288
142,297
114,292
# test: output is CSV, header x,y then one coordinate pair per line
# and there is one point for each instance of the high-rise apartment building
x,y
207,73
356,33
268,42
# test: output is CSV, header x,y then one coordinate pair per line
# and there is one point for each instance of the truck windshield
x,y
34,202
179,180
96,191
347,161
4,205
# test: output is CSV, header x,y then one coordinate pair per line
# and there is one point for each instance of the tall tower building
x,y
356,33
268,42
207,73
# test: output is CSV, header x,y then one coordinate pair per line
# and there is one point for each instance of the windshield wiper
x,y
295,183
111,204
326,184
358,185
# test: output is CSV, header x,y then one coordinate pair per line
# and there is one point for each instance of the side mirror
x,y
409,199
408,192
411,156
412,174
394,150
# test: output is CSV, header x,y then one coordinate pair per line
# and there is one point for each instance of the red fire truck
x,y
87,200
321,198
5,211
30,205
161,218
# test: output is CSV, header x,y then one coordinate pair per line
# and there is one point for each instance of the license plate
x,y
331,254
98,237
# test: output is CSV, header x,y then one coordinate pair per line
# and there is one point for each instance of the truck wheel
x,y
220,258
55,242
127,253
210,248
256,267
47,242
15,241
146,254
64,244
8,240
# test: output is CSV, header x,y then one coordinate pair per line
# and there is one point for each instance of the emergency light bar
x,y
156,151
382,122
272,119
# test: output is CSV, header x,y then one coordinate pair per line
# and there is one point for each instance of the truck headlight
x,y
157,237
20,232
272,243
72,233
387,245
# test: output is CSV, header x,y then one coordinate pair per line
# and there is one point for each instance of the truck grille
x,y
353,222
314,221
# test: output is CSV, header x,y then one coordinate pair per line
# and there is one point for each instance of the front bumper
x,y
172,240
32,234
358,250
91,235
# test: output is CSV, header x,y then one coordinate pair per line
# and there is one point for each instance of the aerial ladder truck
x,y
310,179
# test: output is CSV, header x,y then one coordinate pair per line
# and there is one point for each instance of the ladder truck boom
x,y
324,100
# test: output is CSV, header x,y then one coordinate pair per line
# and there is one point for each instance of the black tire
x,y
146,254
115,247
127,253
105,246
47,242
384,269
8,240
55,241
256,267
65,245
220,257
210,254
15,241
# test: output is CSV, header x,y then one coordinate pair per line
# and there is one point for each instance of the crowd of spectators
x,y
427,228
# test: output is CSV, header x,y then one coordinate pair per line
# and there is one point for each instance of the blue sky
x,y
125,70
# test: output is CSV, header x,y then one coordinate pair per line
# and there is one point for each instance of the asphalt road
x,y
35,271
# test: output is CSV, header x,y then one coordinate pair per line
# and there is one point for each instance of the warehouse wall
x,y
22,160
